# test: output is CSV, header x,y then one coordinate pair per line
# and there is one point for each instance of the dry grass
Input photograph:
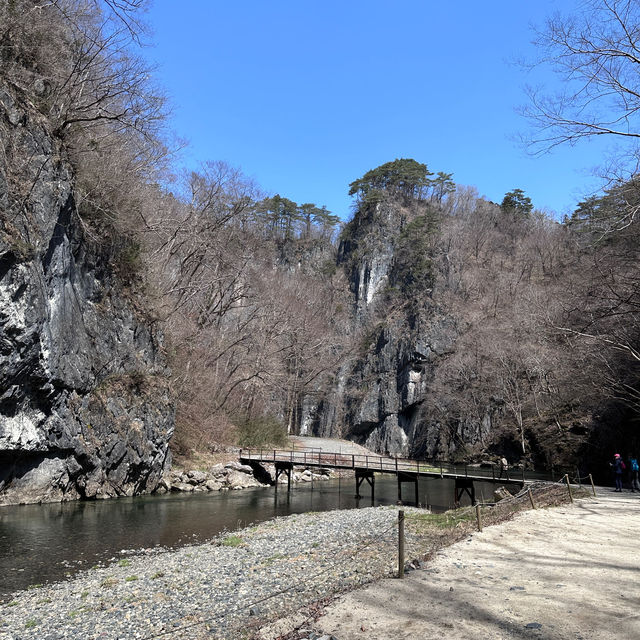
x,y
429,532
205,459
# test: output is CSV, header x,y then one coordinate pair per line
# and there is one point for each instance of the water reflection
x,y
40,543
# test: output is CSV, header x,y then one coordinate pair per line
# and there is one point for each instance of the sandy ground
x,y
570,572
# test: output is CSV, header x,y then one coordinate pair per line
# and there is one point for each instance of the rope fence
x,y
427,533
417,534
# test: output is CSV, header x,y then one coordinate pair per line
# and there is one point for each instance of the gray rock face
x,y
382,399
391,382
367,254
84,404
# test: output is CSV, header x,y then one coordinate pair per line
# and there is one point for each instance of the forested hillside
x,y
432,323
436,323
494,328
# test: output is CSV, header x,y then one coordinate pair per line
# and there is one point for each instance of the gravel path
x,y
568,573
212,590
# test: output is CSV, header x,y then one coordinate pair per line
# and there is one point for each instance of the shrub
x,y
260,431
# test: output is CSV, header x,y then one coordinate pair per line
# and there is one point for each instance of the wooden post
x,y
566,477
533,504
479,517
592,485
401,544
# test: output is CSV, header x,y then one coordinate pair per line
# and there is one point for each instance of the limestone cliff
x,y
84,403
384,399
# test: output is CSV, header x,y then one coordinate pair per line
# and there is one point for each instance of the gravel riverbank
x,y
267,581
220,589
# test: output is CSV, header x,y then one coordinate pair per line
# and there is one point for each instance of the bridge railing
x,y
390,464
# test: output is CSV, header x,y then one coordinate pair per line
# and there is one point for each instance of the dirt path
x,y
332,445
556,574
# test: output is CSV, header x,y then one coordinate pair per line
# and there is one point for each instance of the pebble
x,y
233,582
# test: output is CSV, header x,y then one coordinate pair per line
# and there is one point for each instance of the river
x,y
47,542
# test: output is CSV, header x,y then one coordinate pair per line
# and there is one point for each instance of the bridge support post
x,y
407,477
462,486
361,475
286,468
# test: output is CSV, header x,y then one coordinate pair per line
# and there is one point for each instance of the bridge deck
x,y
384,464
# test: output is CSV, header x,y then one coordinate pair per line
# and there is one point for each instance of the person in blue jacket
x,y
633,473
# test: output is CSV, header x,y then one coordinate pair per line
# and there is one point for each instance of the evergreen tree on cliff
x,y
404,177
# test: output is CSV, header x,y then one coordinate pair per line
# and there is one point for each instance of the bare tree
x,y
77,62
596,53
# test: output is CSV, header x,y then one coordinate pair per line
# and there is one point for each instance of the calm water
x,y
43,543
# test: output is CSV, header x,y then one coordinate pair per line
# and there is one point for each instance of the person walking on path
x,y
504,468
618,469
633,473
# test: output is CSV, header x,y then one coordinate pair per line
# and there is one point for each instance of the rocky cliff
x,y
84,403
384,398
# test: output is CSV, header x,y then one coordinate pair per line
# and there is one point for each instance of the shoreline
x,y
245,580
222,585
220,471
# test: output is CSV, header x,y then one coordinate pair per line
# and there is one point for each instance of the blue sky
x,y
305,97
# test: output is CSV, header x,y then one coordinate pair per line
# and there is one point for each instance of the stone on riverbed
x,y
221,580
232,475
198,477
239,467
239,480
182,486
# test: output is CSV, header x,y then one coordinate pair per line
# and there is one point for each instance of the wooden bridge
x,y
406,470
